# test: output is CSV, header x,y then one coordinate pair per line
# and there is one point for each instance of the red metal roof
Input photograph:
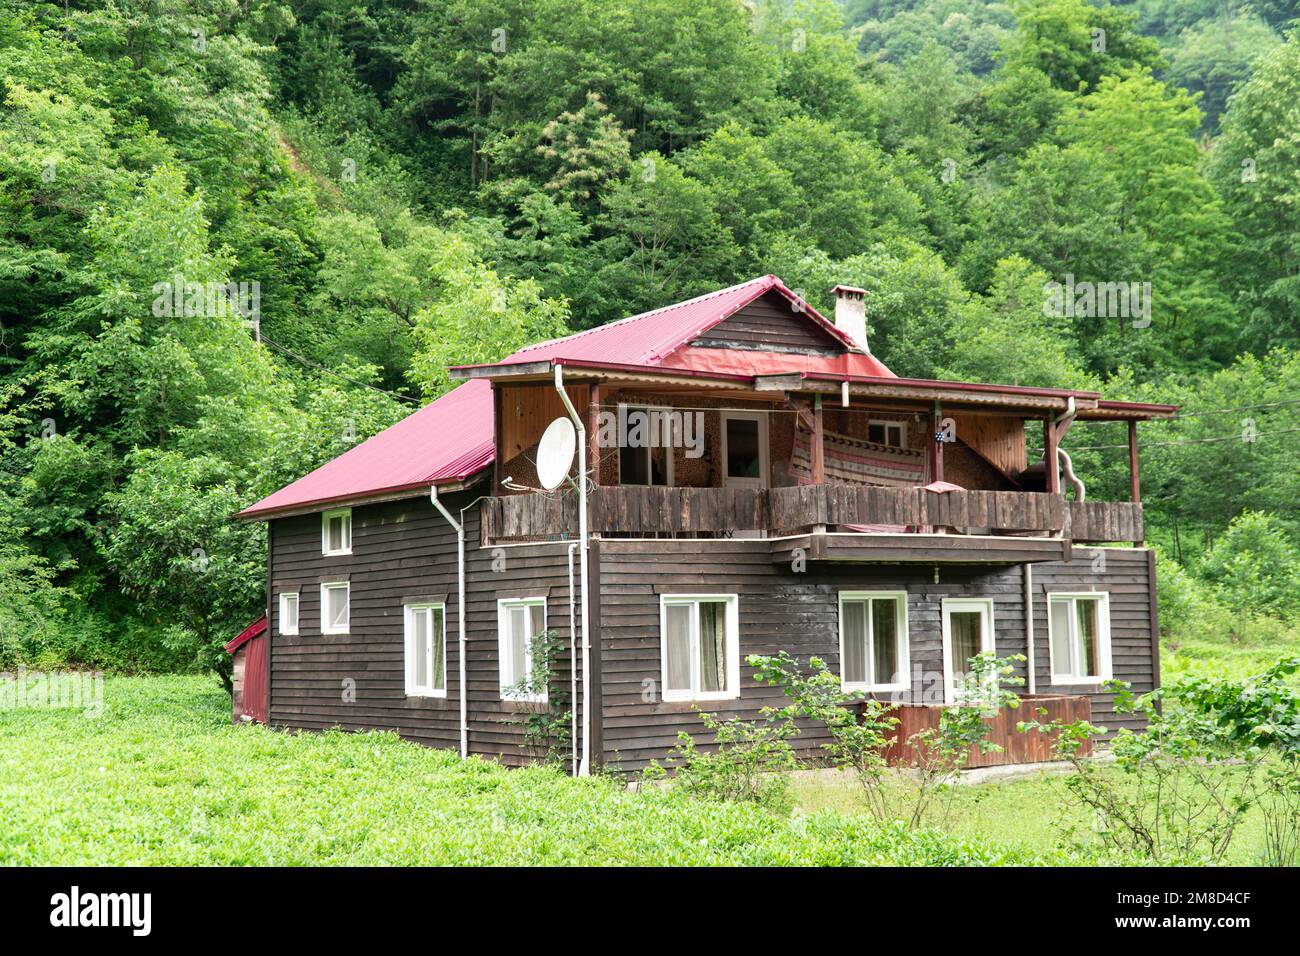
x,y
452,438
247,634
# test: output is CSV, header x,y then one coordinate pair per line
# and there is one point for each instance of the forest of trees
x,y
412,183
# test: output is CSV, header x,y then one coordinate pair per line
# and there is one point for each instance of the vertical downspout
x,y
573,668
584,768
1031,684
460,614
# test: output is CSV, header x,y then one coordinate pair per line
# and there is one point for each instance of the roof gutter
x,y
584,767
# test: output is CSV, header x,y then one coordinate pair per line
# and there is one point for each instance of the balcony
x,y
1037,525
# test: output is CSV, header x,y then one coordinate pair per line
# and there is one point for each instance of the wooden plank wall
x,y
402,551
1125,578
526,410
769,323
798,612
999,438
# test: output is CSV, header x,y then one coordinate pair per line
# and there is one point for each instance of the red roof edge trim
x,y
247,634
954,386
598,366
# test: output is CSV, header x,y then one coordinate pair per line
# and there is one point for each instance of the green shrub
x,y
750,763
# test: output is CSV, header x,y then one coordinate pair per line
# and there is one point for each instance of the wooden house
x,y
749,478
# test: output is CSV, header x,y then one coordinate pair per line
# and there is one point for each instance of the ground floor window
x,y
426,650
289,613
873,640
334,609
700,647
521,624
1079,630
967,633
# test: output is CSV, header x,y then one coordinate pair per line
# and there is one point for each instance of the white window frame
x,y
904,647
626,408
297,610
346,515
888,423
1103,636
413,686
731,619
988,635
507,679
325,587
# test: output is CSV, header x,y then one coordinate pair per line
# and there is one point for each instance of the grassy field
x,y
162,777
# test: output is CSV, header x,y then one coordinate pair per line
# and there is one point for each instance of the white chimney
x,y
851,314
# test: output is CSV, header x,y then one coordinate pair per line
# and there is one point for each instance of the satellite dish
x,y
555,453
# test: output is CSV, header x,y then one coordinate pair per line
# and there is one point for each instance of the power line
x,y
329,371
1189,441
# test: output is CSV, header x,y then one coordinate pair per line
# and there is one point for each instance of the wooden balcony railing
x,y
712,512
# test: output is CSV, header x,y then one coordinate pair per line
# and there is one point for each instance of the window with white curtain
x,y
1079,636
426,650
520,624
700,647
289,613
873,640
334,610
336,532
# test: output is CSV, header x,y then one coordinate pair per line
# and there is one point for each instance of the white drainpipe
x,y
573,667
584,768
460,613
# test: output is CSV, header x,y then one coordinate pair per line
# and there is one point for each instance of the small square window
x,y
873,641
1079,634
891,434
700,646
336,532
334,609
289,613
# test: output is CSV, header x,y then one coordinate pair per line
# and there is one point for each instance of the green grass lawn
x,y
161,777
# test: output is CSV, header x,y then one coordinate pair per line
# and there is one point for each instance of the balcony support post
x,y
818,444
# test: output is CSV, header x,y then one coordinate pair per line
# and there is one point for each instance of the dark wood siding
x,y
402,551
798,612
770,324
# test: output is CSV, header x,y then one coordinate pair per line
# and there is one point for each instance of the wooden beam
x,y
593,434
498,429
1134,479
1051,463
818,444
938,445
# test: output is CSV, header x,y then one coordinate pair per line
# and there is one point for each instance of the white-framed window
x,y
699,639
873,641
426,650
893,434
645,454
1078,628
289,612
519,623
336,532
967,632
335,607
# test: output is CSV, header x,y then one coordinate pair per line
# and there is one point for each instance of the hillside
x,y
388,186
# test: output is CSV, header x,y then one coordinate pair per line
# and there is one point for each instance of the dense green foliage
x,y
411,183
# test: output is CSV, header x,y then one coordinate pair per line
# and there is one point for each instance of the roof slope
x,y
452,437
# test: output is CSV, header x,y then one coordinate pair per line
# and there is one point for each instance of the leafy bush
x,y
1255,567
750,763
1211,750
547,724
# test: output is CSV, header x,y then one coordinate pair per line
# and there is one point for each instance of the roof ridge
x,y
769,278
